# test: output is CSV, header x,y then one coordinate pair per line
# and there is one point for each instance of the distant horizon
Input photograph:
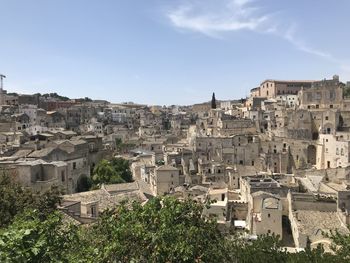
x,y
177,104
122,102
169,51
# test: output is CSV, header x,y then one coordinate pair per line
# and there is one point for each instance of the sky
x,y
168,52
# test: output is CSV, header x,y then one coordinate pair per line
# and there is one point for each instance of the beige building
x,y
87,206
40,175
229,125
164,179
272,88
332,151
219,207
324,94
264,214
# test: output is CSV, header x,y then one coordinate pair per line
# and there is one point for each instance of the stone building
x,y
272,88
324,94
164,179
333,151
219,208
264,214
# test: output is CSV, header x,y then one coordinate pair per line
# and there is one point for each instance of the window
x,y
74,165
63,177
342,151
268,215
93,211
326,118
222,197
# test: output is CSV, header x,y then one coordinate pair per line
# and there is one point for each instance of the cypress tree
x,y
213,101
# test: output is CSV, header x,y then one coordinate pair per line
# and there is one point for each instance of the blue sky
x,y
169,51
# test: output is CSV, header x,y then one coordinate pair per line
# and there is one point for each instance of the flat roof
x,y
288,81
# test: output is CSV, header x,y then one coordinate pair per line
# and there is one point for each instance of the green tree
x,y
162,230
14,199
29,239
104,173
122,147
122,168
119,144
213,101
84,183
346,92
265,249
340,247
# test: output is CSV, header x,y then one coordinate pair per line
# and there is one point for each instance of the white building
x,y
332,151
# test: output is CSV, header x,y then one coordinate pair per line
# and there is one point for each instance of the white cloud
x,y
232,15
290,35
236,15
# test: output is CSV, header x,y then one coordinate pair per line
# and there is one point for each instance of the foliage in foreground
x,y
14,199
162,230
30,239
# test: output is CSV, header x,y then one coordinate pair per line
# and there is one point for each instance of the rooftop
x,y
271,203
288,81
105,199
166,168
313,223
42,153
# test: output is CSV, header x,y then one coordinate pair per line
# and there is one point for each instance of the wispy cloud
x,y
236,15
231,15
290,35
